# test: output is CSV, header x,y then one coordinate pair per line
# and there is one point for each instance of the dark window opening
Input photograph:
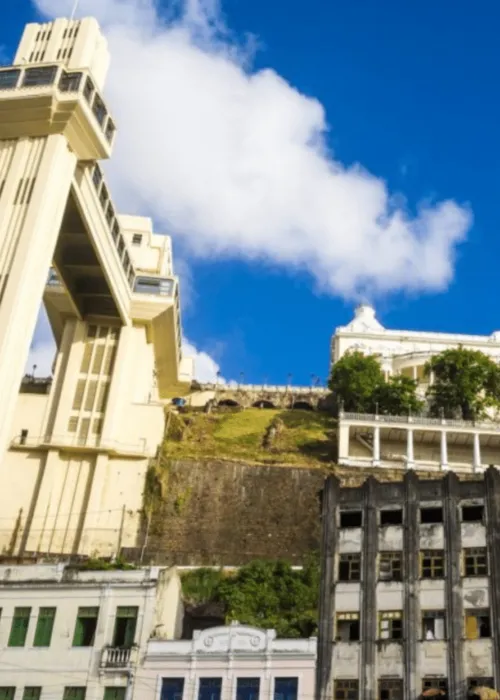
x,y
475,561
477,624
435,684
432,563
350,567
86,625
472,514
285,688
24,436
391,517
136,239
247,688
172,689
431,515
347,627
70,82
210,689
88,90
125,625
433,625
391,566
351,518
99,110
9,79
390,689
39,76
479,682
346,690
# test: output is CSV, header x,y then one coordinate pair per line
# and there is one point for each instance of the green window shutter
x,y
44,627
31,693
125,626
7,693
86,623
19,628
112,693
74,693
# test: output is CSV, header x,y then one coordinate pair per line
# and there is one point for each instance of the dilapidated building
x,y
410,588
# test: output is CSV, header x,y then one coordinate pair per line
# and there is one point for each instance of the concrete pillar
x,y
410,457
376,446
444,450
477,453
29,229
343,443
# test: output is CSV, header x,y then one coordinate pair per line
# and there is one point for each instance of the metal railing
x,y
118,657
416,420
89,442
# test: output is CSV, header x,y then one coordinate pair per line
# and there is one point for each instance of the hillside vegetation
x,y
299,437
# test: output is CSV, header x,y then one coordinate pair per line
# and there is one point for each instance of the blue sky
x,y
409,92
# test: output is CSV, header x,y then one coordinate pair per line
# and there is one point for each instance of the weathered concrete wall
x,y
222,513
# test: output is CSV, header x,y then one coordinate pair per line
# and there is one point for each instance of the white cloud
x,y
234,161
205,367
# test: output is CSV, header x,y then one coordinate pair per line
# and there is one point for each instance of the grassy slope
x,y
307,438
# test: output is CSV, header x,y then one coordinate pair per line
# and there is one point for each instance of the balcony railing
x,y
113,658
416,420
13,78
77,442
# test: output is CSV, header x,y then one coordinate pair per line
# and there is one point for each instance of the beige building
x,y
81,635
75,453
236,662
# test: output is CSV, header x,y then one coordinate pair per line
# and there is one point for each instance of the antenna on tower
x,y
75,8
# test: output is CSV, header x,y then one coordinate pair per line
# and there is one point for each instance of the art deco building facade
x,y
410,588
75,452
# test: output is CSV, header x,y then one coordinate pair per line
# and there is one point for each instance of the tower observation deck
x,y
106,280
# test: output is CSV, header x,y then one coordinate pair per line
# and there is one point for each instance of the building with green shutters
x,y
81,634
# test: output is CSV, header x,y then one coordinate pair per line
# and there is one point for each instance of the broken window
x,y
432,563
431,515
347,627
475,561
390,625
350,567
433,625
472,514
351,518
346,690
391,516
391,566
477,624
432,683
390,689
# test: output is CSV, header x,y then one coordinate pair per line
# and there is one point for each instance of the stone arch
x,y
229,403
263,403
303,406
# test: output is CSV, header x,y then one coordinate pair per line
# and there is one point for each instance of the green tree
x,y
271,595
358,382
466,383
353,381
265,594
397,396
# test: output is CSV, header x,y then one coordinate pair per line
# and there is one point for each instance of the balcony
x,y
118,658
91,443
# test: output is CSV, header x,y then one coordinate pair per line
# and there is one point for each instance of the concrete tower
x,y
78,452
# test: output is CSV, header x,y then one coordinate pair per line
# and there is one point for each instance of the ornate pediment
x,y
233,638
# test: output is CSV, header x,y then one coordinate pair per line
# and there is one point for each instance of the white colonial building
x,y
412,442
71,634
402,351
235,662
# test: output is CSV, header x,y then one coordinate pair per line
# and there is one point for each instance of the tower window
x,y
432,563
9,79
431,515
475,561
346,690
472,514
136,239
347,627
477,624
391,566
433,625
391,517
350,567
34,77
